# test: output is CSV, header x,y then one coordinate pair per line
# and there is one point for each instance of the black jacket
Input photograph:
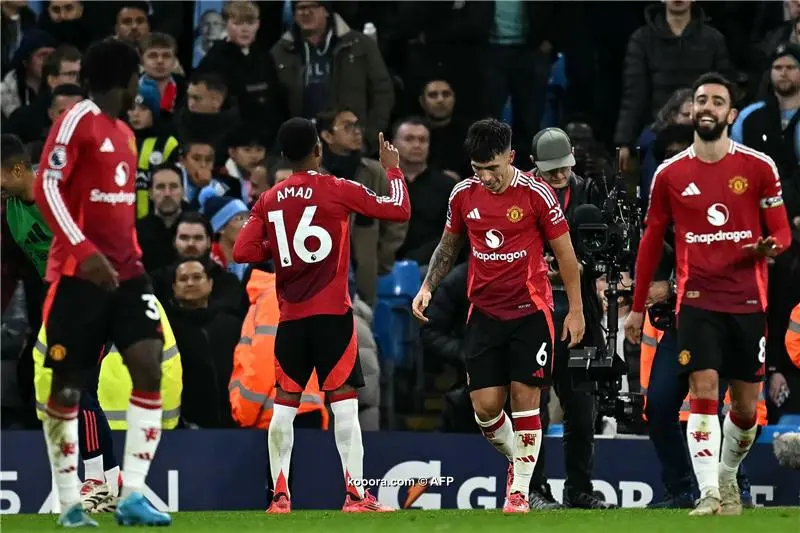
x,y
207,339
658,62
760,128
443,336
228,292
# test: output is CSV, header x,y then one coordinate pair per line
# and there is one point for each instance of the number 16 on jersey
x,y
305,229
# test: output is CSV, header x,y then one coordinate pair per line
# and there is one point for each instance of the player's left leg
x,y
101,471
335,348
746,370
531,367
136,330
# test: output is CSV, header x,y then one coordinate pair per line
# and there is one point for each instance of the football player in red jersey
x,y
303,224
717,193
507,215
98,286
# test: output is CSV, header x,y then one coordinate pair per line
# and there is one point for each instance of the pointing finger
x,y
380,138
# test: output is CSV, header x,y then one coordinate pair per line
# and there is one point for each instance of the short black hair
x,y
297,138
211,80
13,151
326,118
273,165
682,134
52,65
486,139
413,120
193,217
714,78
68,89
186,145
141,6
109,64
171,167
205,263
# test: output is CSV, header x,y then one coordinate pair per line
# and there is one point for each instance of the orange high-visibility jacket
x,y
252,386
793,337
650,339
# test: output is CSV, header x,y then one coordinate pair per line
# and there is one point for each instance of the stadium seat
x,y
790,420
393,320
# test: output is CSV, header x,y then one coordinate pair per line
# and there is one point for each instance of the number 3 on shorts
x,y
541,355
762,350
152,311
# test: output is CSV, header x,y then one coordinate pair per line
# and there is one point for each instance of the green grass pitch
x,y
780,519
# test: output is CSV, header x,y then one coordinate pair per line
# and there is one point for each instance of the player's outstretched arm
x,y
251,245
443,259
574,323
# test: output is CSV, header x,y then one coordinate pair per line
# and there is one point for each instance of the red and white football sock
x,y
527,443
703,435
500,433
280,440
141,439
347,430
61,435
738,438
113,480
93,469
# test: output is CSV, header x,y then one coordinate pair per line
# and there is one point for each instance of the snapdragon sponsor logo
x,y
102,197
720,236
494,256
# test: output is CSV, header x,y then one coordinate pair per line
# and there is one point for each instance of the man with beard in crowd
x,y
156,230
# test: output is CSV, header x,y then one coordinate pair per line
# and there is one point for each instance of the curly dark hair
x,y
109,64
486,139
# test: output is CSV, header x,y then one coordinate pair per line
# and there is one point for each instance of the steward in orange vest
x,y
252,386
793,337
650,339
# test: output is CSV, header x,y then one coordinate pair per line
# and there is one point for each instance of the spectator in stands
x,y
447,131
227,216
16,18
132,23
279,170
772,126
155,143
159,59
245,151
374,242
193,240
428,189
66,21
203,115
259,182
244,63
669,52
211,28
207,336
21,85
197,164
31,122
677,110
156,231
320,43
785,33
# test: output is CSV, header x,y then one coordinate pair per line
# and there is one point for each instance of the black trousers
x,y
579,415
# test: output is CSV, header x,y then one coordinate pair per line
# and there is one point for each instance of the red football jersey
x,y
85,191
507,272
303,224
717,208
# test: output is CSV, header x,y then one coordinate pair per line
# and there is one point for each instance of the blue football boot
x,y
135,510
76,516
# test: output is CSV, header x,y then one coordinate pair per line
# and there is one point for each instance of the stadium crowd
x,y
219,78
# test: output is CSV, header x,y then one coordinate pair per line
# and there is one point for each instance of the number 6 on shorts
x,y
541,355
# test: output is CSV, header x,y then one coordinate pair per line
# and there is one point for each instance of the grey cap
x,y
552,149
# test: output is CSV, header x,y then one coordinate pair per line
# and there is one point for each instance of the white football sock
x,y
93,469
61,435
527,443
280,441
141,439
347,431
736,442
500,433
112,480
703,435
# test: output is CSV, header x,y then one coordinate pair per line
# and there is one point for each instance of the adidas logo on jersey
x,y
691,190
474,215
107,147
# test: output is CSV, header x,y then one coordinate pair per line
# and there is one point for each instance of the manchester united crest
x,y
684,357
738,184
57,352
514,214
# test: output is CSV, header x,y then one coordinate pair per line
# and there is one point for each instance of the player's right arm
x,y
396,207
56,168
648,256
444,256
252,245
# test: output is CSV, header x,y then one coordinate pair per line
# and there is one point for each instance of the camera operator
x,y
661,375
553,159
